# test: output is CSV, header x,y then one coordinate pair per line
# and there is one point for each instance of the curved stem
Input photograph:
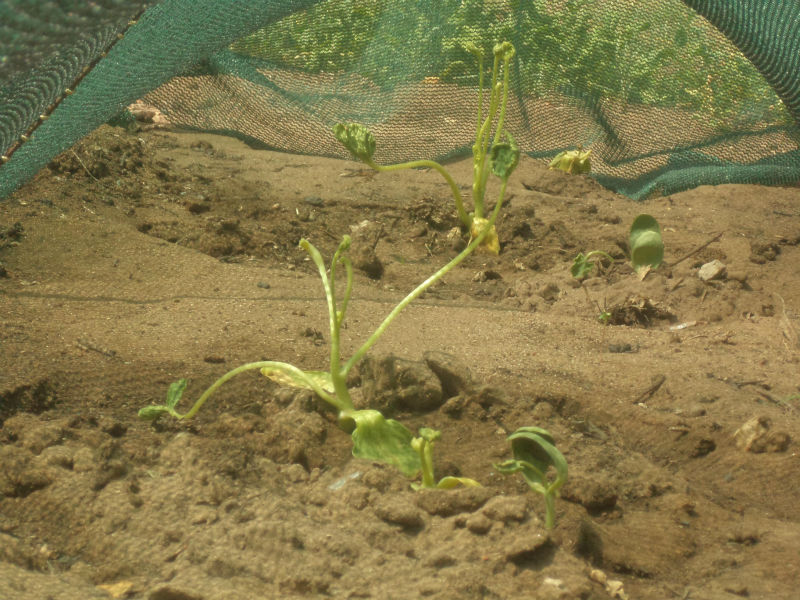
x,y
424,286
260,365
463,216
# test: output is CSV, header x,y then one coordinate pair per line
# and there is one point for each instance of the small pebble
x,y
712,270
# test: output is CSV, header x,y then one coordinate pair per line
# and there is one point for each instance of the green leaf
x,y
647,247
292,379
153,412
357,139
175,392
534,449
383,440
504,157
581,266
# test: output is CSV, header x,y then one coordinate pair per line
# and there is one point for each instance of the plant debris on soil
x,y
141,257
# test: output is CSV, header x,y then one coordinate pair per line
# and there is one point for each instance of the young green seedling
x,y
424,448
647,247
581,267
497,154
534,453
574,162
583,264
374,437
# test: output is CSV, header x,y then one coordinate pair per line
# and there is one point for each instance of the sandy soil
x,y
139,258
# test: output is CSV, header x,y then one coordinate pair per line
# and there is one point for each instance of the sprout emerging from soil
x,y
534,453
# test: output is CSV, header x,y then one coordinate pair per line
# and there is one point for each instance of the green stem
x,y
424,286
260,365
342,401
463,216
501,118
481,147
550,510
426,458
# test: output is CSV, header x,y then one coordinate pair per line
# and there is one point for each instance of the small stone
x,y
314,201
452,372
506,508
757,436
365,259
390,383
478,523
712,270
397,510
446,503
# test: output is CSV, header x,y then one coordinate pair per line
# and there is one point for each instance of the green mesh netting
x,y
669,94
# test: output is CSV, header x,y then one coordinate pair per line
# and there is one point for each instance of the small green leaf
x,y
292,379
536,447
647,247
175,392
581,266
383,440
357,139
429,435
153,412
504,157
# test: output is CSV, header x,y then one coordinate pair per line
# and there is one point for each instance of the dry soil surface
x,y
139,258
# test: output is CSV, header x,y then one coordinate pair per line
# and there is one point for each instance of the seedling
x,y
497,154
583,264
574,162
424,447
375,437
534,453
647,248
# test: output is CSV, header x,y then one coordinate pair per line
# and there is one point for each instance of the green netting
x,y
669,94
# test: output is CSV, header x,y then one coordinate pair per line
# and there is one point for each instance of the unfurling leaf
x,y
574,162
175,392
357,139
383,440
491,242
534,453
504,51
504,158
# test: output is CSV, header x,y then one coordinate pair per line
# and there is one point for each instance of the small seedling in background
x,y
496,153
534,453
583,263
581,267
647,247
574,162
424,447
